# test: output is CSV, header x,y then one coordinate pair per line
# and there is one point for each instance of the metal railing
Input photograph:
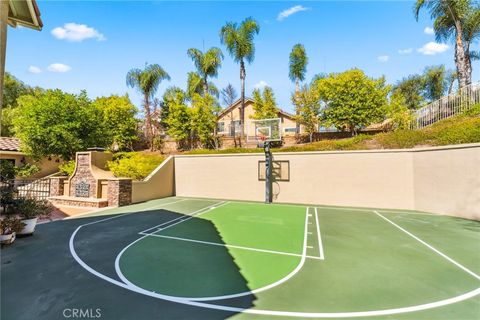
x,y
38,189
447,106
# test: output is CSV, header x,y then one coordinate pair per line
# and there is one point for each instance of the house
x,y
10,152
229,120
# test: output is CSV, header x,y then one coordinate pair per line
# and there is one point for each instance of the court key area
x,y
214,259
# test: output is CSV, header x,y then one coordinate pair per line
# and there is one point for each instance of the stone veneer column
x,y
119,192
57,186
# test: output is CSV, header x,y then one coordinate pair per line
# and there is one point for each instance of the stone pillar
x,y
119,192
57,186
4,8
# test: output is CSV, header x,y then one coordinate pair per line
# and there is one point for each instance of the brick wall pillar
x,y
119,192
57,186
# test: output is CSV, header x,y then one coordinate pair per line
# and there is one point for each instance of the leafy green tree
x,y
147,81
178,119
307,102
119,120
436,82
229,95
352,99
207,65
239,42
298,65
457,20
412,88
196,84
204,119
398,113
12,90
54,123
264,106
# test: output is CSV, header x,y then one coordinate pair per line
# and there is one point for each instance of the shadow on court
x,y
41,280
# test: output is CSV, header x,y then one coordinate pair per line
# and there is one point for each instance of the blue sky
x,y
381,37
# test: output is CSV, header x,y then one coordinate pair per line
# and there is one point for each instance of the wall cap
x,y
423,149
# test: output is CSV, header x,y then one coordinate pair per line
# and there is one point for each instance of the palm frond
x,y
298,63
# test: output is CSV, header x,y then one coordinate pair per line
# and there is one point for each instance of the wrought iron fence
x,y
447,106
19,188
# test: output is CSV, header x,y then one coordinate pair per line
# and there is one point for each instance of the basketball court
x,y
269,260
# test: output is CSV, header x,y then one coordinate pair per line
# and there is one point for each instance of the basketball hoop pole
x,y
268,172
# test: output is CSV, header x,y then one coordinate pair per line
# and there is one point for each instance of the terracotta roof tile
x,y
9,144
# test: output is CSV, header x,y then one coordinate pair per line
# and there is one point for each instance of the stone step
x,y
79,202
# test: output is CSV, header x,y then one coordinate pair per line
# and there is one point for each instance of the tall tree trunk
x,y
297,93
461,57
205,86
242,108
148,122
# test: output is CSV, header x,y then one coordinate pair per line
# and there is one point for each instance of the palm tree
x,y
298,68
239,42
196,84
147,81
298,65
207,64
456,20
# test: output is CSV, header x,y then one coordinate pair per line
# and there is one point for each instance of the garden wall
x,y
443,180
159,184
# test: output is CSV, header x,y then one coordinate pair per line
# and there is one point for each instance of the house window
x,y
221,127
290,130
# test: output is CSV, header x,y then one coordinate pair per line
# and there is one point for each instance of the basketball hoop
x,y
261,138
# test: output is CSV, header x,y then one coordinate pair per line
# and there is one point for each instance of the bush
x,y
134,165
29,208
67,168
26,170
455,132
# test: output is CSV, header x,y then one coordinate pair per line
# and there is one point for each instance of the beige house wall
x,y
47,167
159,184
234,115
443,180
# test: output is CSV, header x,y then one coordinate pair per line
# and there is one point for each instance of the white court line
x,y
430,247
320,244
229,296
182,218
197,213
226,245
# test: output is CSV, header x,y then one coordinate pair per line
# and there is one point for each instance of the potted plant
x,y
9,226
30,210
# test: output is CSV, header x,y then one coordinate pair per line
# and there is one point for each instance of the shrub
x,y
29,208
10,224
134,165
26,170
473,111
67,168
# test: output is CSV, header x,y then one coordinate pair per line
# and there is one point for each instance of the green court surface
x,y
241,260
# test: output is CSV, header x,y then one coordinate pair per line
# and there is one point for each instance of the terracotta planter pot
x,y
7,238
30,225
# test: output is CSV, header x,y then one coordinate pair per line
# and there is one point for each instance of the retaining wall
x,y
444,180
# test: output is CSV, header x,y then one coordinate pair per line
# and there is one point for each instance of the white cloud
x,y
432,48
288,12
77,32
59,67
428,30
383,58
33,69
405,51
260,85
